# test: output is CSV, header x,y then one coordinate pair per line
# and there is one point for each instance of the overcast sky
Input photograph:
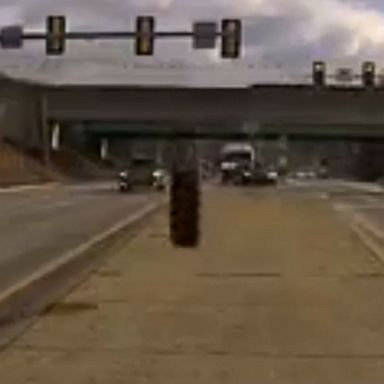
x,y
281,37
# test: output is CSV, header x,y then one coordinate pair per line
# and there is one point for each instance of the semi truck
x,y
240,166
234,158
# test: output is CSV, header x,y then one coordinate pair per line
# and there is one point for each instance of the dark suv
x,y
142,172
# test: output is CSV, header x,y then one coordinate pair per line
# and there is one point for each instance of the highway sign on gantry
x,y
344,75
11,37
204,35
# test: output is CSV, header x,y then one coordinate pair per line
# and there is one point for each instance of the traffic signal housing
x,y
368,74
56,29
319,73
231,38
145,38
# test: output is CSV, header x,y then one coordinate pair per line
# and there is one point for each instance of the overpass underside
x,y
268,111
295,132
276,105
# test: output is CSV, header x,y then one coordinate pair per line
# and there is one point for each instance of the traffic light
x,y
368,74
231,38
319,73
56,29
145,26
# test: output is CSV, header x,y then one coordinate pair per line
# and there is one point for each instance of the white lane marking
x,y
91,186
64,204
366,187
369,233
27,188
368,240
79,250
373,199
362,220
342,207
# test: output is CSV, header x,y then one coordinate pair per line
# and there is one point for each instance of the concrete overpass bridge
x,y
274,106
299,111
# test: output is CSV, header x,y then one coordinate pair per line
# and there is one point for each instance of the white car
x,y
305,174
272,175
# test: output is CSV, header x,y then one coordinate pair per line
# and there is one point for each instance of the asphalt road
x,y
37,226
361,199
333,187
279,292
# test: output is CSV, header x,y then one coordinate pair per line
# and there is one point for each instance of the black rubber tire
x,y
160,188
185,209
123,189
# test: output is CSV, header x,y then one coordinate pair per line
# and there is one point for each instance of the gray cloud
x,y
280,34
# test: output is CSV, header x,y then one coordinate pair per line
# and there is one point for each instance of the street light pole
x,y
2,119
45,133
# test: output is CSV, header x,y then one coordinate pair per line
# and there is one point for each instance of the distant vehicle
x,y
323,173
258,175
323,169
206,170
272,174
305,174
236,157
142,172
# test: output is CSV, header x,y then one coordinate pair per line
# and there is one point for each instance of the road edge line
x,y
24,300
28,188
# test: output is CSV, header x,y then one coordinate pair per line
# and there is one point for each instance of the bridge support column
x,y
104,149
55,138
45,135
283,161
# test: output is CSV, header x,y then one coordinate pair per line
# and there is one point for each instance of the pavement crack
x,y
109,273
214,275
369,275
197,352
69,308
